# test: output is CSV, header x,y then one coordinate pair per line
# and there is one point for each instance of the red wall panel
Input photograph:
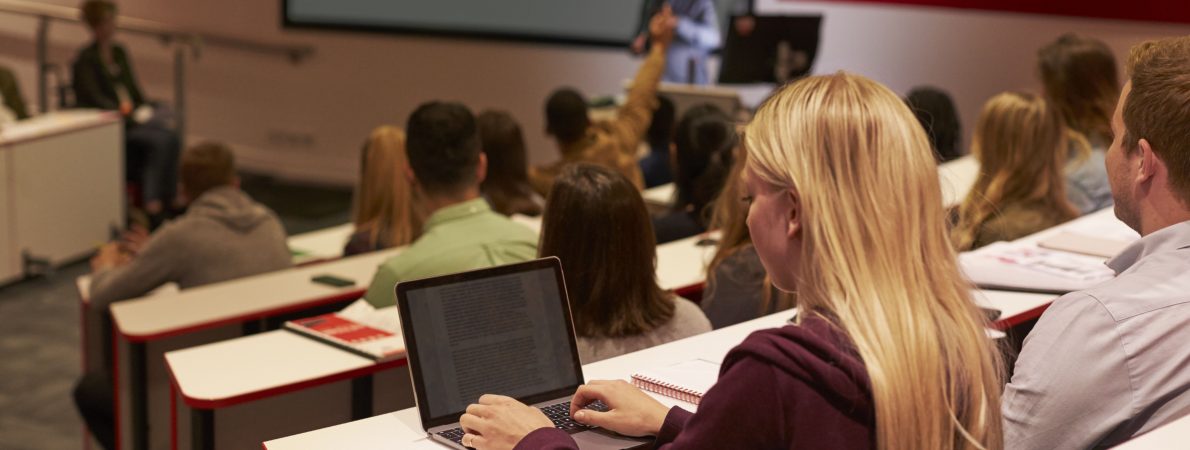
x,y
1177,11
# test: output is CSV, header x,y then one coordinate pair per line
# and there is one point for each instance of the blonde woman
x,y
1021,145
738,288
888,350
385,211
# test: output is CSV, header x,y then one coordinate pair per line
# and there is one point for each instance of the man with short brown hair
x,y
1108,363
223,235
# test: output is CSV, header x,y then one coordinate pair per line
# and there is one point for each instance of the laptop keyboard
x,y
558,413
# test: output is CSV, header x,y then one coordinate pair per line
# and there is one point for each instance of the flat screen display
x,y
598,22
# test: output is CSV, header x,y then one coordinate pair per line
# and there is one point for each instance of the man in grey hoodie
x,y
223,235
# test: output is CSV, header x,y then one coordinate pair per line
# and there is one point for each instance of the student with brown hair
x,y
701,158
738,288
1021,145
507,185
887,351
1080,81
1109,363
223,235
597,224
385,211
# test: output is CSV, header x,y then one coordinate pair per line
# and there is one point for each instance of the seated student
x,y
612,143
703,147
461,232
1021,147
938,115
507,184
655,166
12,104
738,289
384,211
103,79
1080,80
887,349
223,235
610,271
1109,363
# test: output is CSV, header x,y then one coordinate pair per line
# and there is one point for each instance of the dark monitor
x,y
778,49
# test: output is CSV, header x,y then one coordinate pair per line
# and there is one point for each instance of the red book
x,y
352,336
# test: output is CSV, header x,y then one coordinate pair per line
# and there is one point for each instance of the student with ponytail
x,y
887,351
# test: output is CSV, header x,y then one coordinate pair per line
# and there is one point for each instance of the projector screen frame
x,y
287,24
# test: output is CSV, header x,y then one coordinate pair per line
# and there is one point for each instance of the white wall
x,y
357,81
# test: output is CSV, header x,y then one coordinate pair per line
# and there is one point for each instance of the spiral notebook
x,y
687,381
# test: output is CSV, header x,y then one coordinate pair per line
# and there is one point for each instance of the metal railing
x,y
181,41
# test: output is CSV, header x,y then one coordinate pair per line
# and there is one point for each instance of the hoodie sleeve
x,y
156,265
743,410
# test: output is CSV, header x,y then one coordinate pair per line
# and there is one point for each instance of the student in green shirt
x,y
462,232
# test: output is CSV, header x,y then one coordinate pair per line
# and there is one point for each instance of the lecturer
x,y
695,37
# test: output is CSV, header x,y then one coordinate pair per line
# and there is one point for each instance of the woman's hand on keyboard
x,y
630,412
499,422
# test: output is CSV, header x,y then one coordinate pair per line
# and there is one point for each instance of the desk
x,y
991,272
402,429
61,188
662,195
144,328
1172,435
212,378
956,178
682,264
320,245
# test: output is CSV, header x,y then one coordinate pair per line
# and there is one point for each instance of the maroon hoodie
x,y
795,387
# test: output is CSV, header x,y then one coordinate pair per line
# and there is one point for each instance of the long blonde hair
x,y
384,202
1021,144
875,258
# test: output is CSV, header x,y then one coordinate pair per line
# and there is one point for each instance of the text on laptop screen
x,y
502,335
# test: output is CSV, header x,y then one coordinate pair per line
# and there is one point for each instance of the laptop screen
x,y
504,330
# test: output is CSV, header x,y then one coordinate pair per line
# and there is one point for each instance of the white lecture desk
x,y
214,377
143,328
62,178
956,178
402,429
995,275
320,245
1171,435
680,267
662,195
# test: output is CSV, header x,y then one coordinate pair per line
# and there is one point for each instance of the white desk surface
x,y
53,123
957,177
326,243
659,195
252,364
402,429
1172,435
1102,223
683,263
147,318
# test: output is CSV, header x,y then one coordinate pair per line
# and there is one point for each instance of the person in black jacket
x,y
103,79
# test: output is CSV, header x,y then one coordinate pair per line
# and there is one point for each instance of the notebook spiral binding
x,y
667,389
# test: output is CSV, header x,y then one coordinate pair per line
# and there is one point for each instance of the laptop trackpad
x,y
599,439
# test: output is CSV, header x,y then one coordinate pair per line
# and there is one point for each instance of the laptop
x,y
503,330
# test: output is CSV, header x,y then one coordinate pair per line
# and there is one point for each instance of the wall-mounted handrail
x,y
185,40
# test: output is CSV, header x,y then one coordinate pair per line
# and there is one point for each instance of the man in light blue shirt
x,y
1112,362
